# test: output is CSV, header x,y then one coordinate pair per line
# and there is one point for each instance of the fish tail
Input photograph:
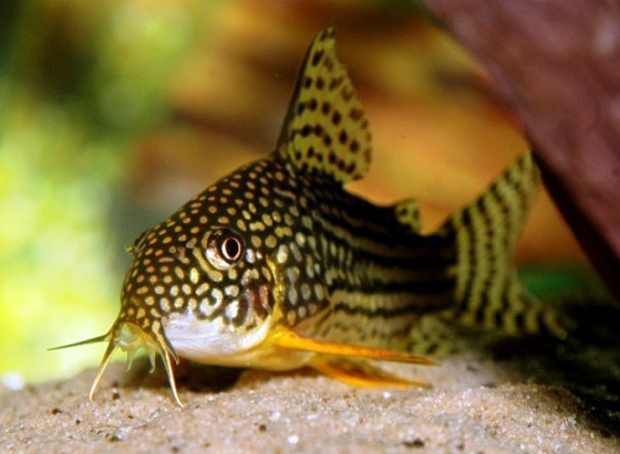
x,y
488,292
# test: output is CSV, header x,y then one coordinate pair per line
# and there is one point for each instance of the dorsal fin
x,y
326,130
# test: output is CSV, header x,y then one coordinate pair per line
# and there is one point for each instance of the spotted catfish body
x,y
276,266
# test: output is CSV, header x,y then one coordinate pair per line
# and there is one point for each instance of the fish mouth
x,y
130,338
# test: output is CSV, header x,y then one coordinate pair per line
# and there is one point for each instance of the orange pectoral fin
x,y
361,374
289,340
350,369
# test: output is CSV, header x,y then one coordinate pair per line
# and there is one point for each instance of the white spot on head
x,y
206,309
319,291
306,293
292,295
282,254
296,252
300,238
283,232
249,275
232,309
271,242
257,226
202,289
218,296
194,275
292,273
232,274
249,255
215,276
232,290
309,267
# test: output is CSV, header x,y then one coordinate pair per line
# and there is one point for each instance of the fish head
x,y
200,283
210,282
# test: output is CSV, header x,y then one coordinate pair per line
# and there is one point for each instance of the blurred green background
x,y
78,81
113,113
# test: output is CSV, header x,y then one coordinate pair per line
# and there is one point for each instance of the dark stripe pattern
x,y
380,275
488,291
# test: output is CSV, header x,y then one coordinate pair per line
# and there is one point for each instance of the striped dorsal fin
x,y
326,131
489,293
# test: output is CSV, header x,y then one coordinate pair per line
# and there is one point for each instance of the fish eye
x,y
224,248
231,248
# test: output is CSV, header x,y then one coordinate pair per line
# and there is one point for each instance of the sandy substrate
x,y
531,395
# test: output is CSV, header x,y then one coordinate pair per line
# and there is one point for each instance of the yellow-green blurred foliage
x,y
78,80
